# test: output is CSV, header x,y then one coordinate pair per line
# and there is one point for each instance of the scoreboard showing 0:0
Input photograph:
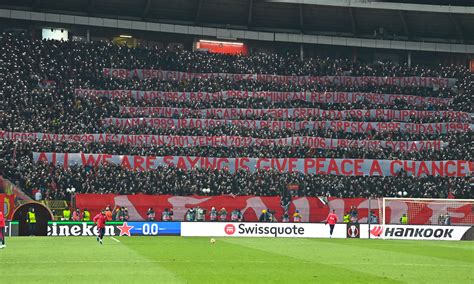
x,y
150,229
155,228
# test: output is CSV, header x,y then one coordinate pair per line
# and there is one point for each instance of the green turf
x,y
234,260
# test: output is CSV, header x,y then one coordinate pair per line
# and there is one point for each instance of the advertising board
x,y
416,232
114,228
272,230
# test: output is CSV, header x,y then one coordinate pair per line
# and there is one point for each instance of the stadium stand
x,y
49,89
236,140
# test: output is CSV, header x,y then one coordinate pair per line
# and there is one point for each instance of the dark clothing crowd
x,y
39,78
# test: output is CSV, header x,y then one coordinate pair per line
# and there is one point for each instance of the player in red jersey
x,y
2,230
100,220
331,220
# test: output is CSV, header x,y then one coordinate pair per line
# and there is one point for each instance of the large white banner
x,y
225,141
314,97
414,232
279,113
269,230
336,125
322,80
320,166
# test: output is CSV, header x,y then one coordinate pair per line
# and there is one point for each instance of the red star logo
x,y
125,229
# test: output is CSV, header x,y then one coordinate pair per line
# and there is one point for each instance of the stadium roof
x,y
351,18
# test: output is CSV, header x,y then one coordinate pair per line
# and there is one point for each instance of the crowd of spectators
x,y
53,180
38,81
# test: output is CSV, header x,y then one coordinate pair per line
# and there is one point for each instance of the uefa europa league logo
x,y
353,231
353,228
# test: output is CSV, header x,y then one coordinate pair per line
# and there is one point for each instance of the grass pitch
x,y
233,260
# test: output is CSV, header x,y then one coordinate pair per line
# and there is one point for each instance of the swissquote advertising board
x,y
279,230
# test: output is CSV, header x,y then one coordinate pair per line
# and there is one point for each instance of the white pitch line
x,y
115,239
251,261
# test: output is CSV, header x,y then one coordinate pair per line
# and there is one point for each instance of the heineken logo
x,y
84,229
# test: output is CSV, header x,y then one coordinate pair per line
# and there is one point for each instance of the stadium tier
x,y
104,118
236,141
